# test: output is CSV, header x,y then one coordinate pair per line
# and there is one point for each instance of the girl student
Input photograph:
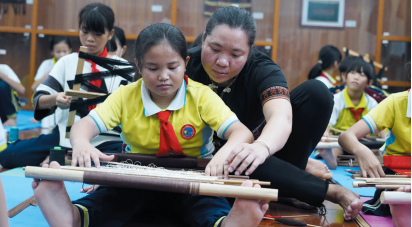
x,y
327,66
286,126
117,45
59,46
10,88
178,115
96,23
350,105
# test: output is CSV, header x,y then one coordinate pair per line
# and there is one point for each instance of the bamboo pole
x,y
193,188
388,197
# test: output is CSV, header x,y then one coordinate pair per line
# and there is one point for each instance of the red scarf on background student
x,y
334,83
97,82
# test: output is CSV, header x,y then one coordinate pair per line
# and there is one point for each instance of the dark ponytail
x,y
327,57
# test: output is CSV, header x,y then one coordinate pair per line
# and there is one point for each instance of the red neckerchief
x,y
333,83
97,82
357,113
168,140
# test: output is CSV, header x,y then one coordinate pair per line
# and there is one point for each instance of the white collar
x,y
408,109
151,108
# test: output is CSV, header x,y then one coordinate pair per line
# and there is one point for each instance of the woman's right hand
x,y
63,101
85,153
368,163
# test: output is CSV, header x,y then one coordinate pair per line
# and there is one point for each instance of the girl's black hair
x,y
58,39
234,17
346,62
327,57
118,35
97,18
157,34
360,66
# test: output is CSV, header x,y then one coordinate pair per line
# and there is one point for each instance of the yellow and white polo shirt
x,y
197,112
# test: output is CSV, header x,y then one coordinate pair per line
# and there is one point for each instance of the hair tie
x,y
320,62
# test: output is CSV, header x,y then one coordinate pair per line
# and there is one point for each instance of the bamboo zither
x,y
151,183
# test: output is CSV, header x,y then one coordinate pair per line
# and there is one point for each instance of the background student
x,y
117,45
327,67
351,104
50,98
59,46
10,87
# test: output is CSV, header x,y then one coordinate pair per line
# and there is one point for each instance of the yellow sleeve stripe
x,y
3,147
371,123
218,221
99,122
223,127
86,215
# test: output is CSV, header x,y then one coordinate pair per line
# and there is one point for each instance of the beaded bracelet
x,y
265,144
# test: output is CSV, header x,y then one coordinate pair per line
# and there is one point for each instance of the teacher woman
x,y
286,125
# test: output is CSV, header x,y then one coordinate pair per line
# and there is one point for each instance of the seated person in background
x,y
9,87
117,45
59,46
393,114
327,66
343,67
350,106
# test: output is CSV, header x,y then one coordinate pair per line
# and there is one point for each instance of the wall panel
x,y
131,15
191,20
298,46
12,19
397,17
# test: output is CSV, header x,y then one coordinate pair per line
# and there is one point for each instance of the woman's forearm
x,y
236,135
278,114
46,101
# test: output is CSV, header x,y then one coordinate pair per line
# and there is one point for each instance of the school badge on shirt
x,y
187,132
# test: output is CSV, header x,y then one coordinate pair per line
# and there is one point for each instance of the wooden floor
x,y
333,217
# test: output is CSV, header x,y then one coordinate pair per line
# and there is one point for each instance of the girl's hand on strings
x,y
368,163
217,167
84,154
90,189
63,101
246,155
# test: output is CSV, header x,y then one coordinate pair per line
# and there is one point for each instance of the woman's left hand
x,y
249,155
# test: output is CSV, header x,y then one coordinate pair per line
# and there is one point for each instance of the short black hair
x,y
96,17
156,34
360,66
346,62
118,35
234,17
58,39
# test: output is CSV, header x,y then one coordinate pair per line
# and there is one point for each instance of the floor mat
x,y
23,121
343,178
18,188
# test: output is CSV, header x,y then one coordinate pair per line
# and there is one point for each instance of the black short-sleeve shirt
x,y
259,79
